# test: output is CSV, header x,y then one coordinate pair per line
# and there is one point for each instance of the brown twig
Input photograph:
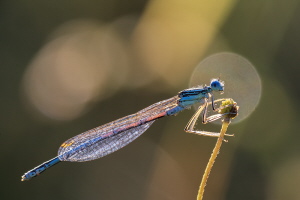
x,y
232,112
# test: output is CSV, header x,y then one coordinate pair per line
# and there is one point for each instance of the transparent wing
x,y
102,146
114,135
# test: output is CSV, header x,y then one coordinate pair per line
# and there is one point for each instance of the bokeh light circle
x,y
242,82
84,62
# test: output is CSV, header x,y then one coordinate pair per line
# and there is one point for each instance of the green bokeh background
x,y
261,162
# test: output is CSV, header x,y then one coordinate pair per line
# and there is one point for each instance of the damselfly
x,y
112,136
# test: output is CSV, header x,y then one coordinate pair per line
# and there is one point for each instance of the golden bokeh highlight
x,y
172,36
81,63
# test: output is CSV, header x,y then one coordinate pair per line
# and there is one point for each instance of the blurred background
x,y
69,66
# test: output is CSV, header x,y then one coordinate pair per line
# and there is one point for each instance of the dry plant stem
x,y
213,157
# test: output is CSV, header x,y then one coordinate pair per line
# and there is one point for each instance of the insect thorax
x,y
191,96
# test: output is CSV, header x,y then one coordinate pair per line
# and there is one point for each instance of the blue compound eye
x,y
217,85
214,84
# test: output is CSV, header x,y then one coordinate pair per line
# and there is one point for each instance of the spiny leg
x,y
204,112
204,115
212,101
191,124
215,101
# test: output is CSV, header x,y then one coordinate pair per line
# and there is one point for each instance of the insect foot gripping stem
x,y
229,108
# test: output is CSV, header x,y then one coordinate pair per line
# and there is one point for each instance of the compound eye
x,y
217,85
